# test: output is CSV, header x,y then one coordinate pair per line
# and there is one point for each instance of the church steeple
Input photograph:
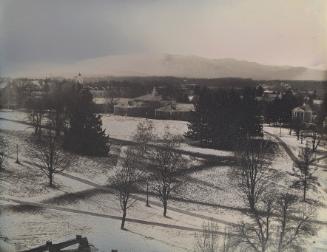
x,y
79,78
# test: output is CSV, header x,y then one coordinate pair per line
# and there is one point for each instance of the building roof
x,y
298,109
3,85
178,107
303,108
149,97
100,100
318,101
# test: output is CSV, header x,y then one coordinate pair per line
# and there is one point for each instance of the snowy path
x,y
76,211
154,203
139,198
101,187
177,209
284,145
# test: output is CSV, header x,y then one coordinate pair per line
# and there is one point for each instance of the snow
x,y
212,185
318,242
13,115
113,124
37,228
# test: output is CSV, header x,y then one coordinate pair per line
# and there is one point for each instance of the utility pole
x,y
17,160
280,127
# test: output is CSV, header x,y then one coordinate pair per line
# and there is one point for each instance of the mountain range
x,y
179,66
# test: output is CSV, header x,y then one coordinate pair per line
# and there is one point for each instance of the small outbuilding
x,y
303,113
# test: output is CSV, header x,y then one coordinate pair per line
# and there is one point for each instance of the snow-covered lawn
x,y
320,241
291,140
113,124
13,114
120,127
34,228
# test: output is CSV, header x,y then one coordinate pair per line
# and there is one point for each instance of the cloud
x,y
65,31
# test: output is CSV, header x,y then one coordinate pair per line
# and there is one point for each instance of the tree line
x,y
64,124
278,220
223,116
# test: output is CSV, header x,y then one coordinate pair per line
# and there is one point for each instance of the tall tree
x,y
3,149
255,180
125,180
57,104
47,154
85,134
168,163
37,115
143,137
208,239
294,222
303,171
252,174
222,116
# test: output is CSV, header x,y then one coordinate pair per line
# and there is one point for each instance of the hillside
x,y
177,66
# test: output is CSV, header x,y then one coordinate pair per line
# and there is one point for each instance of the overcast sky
x,y
281,32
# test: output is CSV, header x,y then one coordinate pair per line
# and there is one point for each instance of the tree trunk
x,y
305,190
147,193
51,179
122,226
165,207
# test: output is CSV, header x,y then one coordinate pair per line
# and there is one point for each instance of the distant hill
x,y
181,66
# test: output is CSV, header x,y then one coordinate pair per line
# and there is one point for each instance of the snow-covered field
x,y
34,226
113,124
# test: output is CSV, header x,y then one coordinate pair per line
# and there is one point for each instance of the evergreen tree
x,y
198,129
250,114
84,134
223,116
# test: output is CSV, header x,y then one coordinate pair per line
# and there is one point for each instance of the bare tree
x,y
255,181
111,95
168,163
3,149
208,239
37,115
315,140
294,222
271,215
256,235
49,157
228,241
56,118
124,180
303,171
253,174
144,135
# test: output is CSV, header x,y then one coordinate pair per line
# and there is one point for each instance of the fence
x,y
49,246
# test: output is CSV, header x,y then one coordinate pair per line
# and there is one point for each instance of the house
x,y
303,113
317,104
102,105
143,106
175,111
269,95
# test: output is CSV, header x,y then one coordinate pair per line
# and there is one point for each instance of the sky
x,y
274,32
